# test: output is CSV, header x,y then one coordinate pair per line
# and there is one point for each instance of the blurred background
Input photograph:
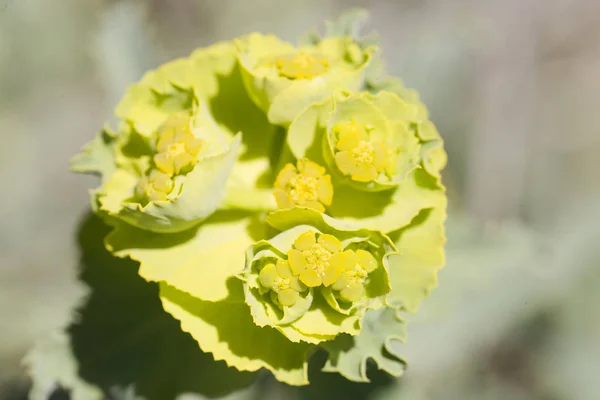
x,y
514,88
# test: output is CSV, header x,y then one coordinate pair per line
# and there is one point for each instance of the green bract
x,y
313,284
283,79
285,199
366,140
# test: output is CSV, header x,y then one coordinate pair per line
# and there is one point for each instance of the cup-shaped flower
x,y
305,184
167,180
283,79
366,140
313,282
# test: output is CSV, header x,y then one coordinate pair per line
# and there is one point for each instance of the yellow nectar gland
x,y
356,266
177,147
154,187
359,156
304,185
301,65
278,278
313,260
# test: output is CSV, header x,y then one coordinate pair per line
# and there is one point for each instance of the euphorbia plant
x,y
283,198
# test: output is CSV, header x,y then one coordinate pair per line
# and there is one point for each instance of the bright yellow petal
x,y
364,173
283,269
350,259
164,163
305,241
310,278
366,260
337,261
296,261
345,162
285,175
348,140
325,190
332,274
309,168
331,243
283,199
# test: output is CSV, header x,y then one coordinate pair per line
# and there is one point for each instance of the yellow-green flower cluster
x,y
279,198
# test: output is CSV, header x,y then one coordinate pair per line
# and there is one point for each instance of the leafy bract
x,y
397,201
321,307
348,355
283,79
413,272
226,330
207,86
121,342
200,261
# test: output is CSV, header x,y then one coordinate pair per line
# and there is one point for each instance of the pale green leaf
x,y
226,330
201,261
413,272
348,355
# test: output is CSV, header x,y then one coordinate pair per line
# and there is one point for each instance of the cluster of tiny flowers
x,y
280,172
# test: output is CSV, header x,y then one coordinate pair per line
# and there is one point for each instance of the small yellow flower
x,y
355,266
301,65
359,155
311,259
154,187
304,185
177,147
278,278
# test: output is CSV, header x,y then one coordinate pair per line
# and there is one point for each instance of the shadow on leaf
x,y
122,337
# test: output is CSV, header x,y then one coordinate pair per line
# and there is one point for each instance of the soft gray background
x,y
514,87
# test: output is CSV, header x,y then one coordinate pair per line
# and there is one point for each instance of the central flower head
x,y
177,147
358,155
313,260
304,185
301,65
176,151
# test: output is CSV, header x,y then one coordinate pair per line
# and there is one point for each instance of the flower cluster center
x,y
177,147
317,259
305,184
304,188
360,156
363,152
176,151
